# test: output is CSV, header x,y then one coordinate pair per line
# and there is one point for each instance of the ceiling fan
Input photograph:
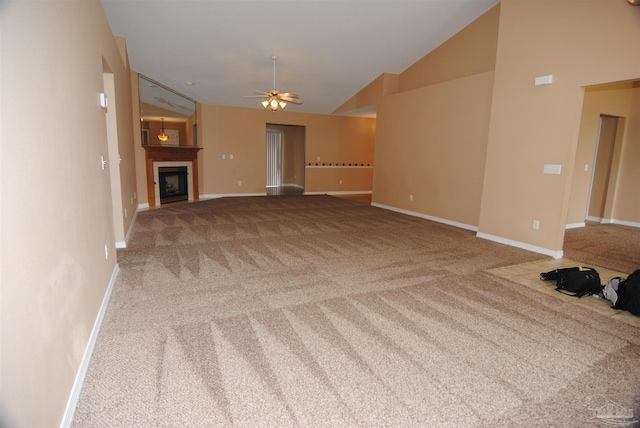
x,y
275,99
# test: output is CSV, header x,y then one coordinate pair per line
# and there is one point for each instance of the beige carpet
x,y
613,246
314,311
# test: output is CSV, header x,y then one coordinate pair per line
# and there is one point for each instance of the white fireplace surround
x,y
156,177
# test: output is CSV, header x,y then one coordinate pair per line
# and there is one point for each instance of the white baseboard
x,y
225,195
613,221
130,230
517,244
575,225
120,244
344,192
624,223
511,243
143,207
86,358
427,217
299,186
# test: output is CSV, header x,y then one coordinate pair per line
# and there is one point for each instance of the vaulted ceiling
x,y
217,51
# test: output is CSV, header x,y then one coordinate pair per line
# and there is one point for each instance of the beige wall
x,y
122,150
431,143
432,137
533,126
469,52
55,217
139,153
241,132
627,197
520,127
332,179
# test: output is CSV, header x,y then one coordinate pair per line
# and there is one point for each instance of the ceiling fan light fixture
x,y
274,99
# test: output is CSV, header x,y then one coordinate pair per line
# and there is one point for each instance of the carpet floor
x,y
613,246
316,311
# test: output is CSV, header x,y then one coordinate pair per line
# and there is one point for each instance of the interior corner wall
x,y
55,211
431,145
536,125
612,100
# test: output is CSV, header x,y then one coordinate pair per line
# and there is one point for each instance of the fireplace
x,y
173,184
169,157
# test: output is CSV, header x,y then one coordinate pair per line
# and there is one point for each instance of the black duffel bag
x,y
575,281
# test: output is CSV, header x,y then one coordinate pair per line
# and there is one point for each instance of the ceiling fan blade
x,y
260,92
290,100
255,96
289,95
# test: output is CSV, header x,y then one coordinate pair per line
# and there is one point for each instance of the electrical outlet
x,y
239,182
536,224
411,198
341,182
106,252
125,213
231,156
224,156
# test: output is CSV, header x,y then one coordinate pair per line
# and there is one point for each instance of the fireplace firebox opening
x,y
174,184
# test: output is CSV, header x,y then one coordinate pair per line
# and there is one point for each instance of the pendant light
x,y
163,137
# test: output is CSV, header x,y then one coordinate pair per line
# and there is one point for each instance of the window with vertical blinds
x,y
274,158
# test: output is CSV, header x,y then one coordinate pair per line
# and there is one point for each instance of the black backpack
x,y
629,294
576,281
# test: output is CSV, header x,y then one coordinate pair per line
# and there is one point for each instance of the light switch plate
x,y
103,100
544,80
552,169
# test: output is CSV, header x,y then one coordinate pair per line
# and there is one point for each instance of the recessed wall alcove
x,y
166,156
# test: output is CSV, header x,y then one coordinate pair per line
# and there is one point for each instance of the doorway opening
x,y
604,172
285,157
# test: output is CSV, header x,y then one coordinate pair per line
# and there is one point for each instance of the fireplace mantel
x,y
170,154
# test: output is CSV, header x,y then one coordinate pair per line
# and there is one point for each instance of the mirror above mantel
x,y
166,112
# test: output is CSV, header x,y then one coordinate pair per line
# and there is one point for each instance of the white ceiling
x,y
327,50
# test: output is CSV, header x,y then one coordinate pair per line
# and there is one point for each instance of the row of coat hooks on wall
x,y
337,164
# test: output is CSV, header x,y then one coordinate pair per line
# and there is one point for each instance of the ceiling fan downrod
x,y
274,58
